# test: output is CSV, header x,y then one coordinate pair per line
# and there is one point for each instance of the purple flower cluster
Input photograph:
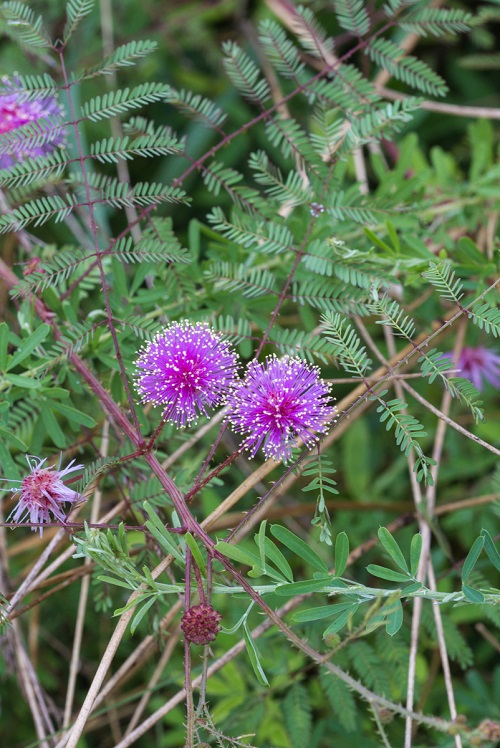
x,y
16,111
186,369
278,402
478,364
43,492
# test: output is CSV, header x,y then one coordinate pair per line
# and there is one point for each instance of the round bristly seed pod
x,y
200,624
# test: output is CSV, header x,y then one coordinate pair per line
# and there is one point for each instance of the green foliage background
x,y
220,262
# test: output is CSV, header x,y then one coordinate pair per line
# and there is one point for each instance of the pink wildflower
x,y
15,112
277,402
478,364
43,492
186,368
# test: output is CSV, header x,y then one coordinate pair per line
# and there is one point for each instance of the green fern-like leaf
x,y
22,418
468,394
380,122
38,212
408,69
34,86
291,138
437,22
302,344
181,290
457,647
345,344
486,318
76,10
236,331
144,329
158,244
217,176
31,170
31,136
394,6
117,102
74,339
341,700
147,250
407,427
120,194
435,364
250,282
312,36
394,316
250,230
354,267
321,469
24,26
196,106
329,130
294,190
352,16
349,90
443,278
407,430
245,74
297,714
342,207
53,272
366,662
123,56
281,51
331,296
111,150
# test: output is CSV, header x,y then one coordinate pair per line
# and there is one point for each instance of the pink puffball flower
x,y
478,364
186,369
43,492
15,112
276,403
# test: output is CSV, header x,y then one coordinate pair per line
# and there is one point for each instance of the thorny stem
x,y
93,227
206,648
190,715
199,582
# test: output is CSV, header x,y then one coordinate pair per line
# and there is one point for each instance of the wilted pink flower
x,y
43,492
477,364
277,402
186,368
15,112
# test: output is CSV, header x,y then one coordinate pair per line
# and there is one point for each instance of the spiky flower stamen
x,y
278,402
186,369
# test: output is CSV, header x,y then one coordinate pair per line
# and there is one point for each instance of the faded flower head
x,y
278,402
43,492
200,624
186,368
478,364
16,111
317,209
